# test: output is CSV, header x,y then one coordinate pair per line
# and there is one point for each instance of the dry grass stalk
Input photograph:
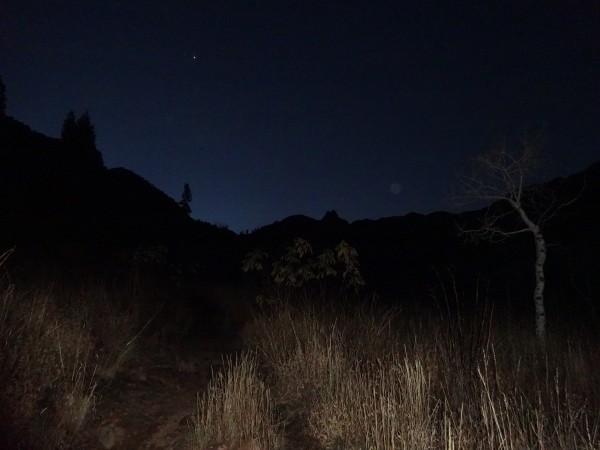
x,y
236,410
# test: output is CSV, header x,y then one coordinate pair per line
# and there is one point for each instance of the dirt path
x,y
150,403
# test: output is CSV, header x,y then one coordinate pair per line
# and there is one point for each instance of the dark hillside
x,y
47,198
51,203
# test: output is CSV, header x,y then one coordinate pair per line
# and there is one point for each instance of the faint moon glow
x,y
395,188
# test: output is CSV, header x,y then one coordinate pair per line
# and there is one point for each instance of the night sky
x,y
274,108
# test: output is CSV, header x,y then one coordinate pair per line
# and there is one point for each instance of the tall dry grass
x,y
47,371
362,379
56,343
236,411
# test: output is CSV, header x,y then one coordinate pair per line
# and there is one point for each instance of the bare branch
x,y
499,177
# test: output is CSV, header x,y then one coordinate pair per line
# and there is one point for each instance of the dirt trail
x,y
150,403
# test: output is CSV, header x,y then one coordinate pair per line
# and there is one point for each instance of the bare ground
x,y
151,402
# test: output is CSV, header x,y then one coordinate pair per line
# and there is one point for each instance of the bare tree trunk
x,y
538,293
540,280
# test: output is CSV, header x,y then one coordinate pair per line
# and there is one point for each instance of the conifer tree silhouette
x,y
186,199
2,97
79,138
69,128
87,133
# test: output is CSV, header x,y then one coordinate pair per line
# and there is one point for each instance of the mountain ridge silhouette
x,y
45,201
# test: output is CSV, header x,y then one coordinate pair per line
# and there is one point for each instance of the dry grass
x,y
348,377
367,379
236,411
114,325
384,405
47,370
56,345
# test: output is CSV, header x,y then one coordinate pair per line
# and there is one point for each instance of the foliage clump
x,y
299,268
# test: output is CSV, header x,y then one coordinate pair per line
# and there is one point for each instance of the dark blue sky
x,y
274,108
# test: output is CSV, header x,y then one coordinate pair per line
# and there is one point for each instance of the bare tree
x,y
499,177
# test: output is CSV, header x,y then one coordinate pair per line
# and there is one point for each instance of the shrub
x,y
297,272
